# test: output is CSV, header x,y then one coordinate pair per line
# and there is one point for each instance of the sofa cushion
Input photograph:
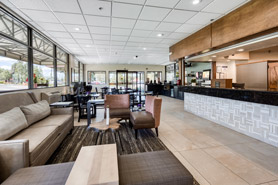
x,y
119,113
151,168
56,174
39,139
54,120
12,122
36,111
142,119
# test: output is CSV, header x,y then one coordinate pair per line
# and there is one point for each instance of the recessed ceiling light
x,y
170,53
144,48
214,56
240,50
210,59
160,35
77,29
196,2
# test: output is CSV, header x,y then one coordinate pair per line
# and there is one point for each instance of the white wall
x,y
129,67
230,73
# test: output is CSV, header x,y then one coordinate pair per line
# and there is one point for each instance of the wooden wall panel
x,y
254,17
197,42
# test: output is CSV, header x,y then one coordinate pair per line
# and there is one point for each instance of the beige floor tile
x,y
213,171
197,176
241,166
178,141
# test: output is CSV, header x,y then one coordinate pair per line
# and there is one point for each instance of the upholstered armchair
x,y
118,106
149,118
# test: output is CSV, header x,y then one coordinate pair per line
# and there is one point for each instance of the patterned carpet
x,y
124,137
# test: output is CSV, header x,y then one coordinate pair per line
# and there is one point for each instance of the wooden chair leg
x,y
156,130
136,133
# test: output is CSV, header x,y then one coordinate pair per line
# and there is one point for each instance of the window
x,y
75,72
62,68
13,65
42,44
154,76
112,79
43,69
170,72
96,77
141,80
81,71
12,27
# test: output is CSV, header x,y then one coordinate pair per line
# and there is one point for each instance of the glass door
x,y
121,79
133,80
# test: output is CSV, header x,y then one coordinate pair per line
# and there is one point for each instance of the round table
x,y
101,126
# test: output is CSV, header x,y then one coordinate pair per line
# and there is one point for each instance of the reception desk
x,y
253,113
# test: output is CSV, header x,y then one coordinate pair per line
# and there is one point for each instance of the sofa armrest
x,y
61,111
14,154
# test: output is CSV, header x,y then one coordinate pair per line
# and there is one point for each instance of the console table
x,y
95,165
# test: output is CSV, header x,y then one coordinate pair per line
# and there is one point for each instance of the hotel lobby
x,y
139,92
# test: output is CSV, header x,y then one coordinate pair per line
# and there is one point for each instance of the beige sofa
x,y
32,141
51,97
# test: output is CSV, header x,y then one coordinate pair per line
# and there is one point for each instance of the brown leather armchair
x,y
149,118
118,106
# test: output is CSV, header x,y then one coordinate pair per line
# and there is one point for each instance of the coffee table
x,y
101,126
95,165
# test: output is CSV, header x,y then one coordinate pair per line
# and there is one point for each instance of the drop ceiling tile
x,y
30,4
66,40
41,16
123,23
92,7
164,26
146,25
188,28
153,40
137,39
126,10
99,30
131,1
179,16
155,33
81,35
51,26
84,41
162,3
101,42
119,38
153,13
101,37
203,18
72,28
70,6
68,18
223,6
60,34
140,33
120,31
178,36
188,5
117,43
97,21
136,44
169,41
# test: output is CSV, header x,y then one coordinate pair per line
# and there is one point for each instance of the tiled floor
x,y
214,154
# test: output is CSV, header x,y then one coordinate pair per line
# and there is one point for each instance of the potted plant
x,y
193,82
35,81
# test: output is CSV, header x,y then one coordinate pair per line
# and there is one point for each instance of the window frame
x,y
30,49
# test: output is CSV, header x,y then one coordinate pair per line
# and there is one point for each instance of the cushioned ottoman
x,y
153,168
55,174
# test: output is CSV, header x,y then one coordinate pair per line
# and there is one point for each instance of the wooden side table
x,y
95,165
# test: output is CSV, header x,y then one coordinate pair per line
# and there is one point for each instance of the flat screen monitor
x,y
206,75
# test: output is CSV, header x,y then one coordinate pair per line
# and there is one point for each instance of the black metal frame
x,y
30,52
